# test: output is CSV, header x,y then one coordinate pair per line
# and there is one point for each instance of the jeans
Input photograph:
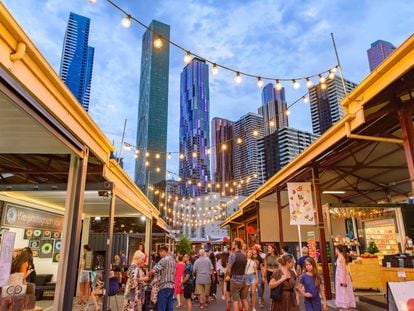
x,y
165,299
259,285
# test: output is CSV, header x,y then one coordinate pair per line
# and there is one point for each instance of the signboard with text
x,y
24,217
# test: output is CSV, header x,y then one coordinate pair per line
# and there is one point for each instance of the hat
x,y
258,247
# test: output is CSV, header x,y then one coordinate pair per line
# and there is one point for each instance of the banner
x,y
6,256
301,207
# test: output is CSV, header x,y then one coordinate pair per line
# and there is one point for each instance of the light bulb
x,y
239,140
278,85
238,77
187,58
181,156
255,133
147,163
260,82
287,112
169,156
224,147
323,86
157,156
126,21
272,123
92,1
158,42
296,84
306,99
309,83
333,69
331,75
214,69
194,154
321,79
158,169
147,154
135,156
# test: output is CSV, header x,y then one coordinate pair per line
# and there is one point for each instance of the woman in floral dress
x,y
134,296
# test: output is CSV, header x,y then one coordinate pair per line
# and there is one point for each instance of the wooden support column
x,y
322,239
406,124
279,216
148,239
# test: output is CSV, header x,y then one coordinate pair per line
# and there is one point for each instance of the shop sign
x,y
24,217
6,256
301,207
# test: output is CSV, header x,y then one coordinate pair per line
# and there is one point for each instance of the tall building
x,y
222,151
248,162
280,147
379,51
194,135
150,165
325,103
273,109
77,58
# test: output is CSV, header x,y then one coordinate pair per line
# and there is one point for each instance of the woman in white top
x,y
251,277
221,272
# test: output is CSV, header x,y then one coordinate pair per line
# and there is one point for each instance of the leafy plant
x,y
372,247
184,245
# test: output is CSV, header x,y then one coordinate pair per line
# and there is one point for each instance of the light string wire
x,y
215,64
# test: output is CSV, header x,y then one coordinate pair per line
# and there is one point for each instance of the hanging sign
x,y
6,256
301,207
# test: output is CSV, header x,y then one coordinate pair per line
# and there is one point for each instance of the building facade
x,y
325,103
248,162
150,167
379,51
273,109
222,151
280,147
76,65
194,135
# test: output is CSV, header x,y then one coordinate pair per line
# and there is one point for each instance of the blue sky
x,y
265,37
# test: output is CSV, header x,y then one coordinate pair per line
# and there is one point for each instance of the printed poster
x,y
301,207
6,256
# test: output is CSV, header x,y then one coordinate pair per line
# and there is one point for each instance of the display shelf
x,y
384,237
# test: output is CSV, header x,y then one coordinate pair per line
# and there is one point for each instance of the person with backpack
x,y
188,281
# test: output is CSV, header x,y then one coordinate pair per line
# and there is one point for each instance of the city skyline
x,y
301,37
379,51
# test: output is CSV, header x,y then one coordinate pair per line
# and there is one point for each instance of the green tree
x,y
184,245
372,247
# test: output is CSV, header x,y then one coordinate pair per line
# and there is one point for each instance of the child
x,y
311,287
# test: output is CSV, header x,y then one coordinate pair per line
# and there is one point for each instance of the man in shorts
x,y
203,269
236,267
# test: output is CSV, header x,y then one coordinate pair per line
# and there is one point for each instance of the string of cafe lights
x,y
159,42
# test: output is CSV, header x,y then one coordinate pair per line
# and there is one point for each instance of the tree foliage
x,y
184,245
372,247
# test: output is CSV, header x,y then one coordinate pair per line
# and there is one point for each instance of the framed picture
x,y
46,249
34,244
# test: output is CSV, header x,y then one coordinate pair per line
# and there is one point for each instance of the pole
x,y
300,240
339,65
122,141
148,179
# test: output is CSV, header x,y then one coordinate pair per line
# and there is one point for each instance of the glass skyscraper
x,y
194,129
77,58
273,109
150,168
379,51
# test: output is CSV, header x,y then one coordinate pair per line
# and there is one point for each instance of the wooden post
x,y
322,239
279,216
406,124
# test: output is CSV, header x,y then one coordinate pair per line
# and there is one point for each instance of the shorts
x,y
188,291
228,286
251,279
238,290
202,289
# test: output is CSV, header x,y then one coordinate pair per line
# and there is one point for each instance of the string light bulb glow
x,y
309,83
333,69
187,58
260,82
296,84
278,85
126,21
306,99
255,133
331,74
194,154
169,156
324,86
271,123
239,140
238,78
224,147
92,1
287,112
214,69
157,156
158,42
321,79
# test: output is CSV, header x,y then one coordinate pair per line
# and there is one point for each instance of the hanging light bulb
x,y
271,123
169,156
126,21
306,99
135,156
255,133
157,156
147,163
214,69
238,77
309,83
321,79
224,147
199,185
158,42
334,69
92,1
239,140
158,169
181,156
331,74
324,86
287,112
187,57
260,82
296,84
194,154
147,154
278,85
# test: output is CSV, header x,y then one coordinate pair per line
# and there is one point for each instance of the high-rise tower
x,y
150,168
379,51
194,128
77,58
325,103
273,109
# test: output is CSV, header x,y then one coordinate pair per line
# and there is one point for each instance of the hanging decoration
x,y
301,207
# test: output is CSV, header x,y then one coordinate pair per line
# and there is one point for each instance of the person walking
x,y
311,287
84,278
214,277
203,269
270,262
166,270
221,271
344,294
187,282
259,257
236,267
251,277
286,278
301,261
179,272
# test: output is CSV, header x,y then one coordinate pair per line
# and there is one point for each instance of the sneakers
x,y
222,297
253,309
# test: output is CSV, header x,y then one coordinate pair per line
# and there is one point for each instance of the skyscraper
x,y
194,128
273,109
150,166
325,103
222,150
379,51
280,147
248,162
77,58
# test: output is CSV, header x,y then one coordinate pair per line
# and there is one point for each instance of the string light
x,y
324,86
278,85
239,140
309,83
187,58
260,82
194,154
321,79
158,42
126,21
157,156
214,69
224,147
306,99
255,133
182,156
238,78
271,123
296,84
169,156
92,1
331,74
287,112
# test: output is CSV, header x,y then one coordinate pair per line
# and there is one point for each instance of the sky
x,y
284,39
